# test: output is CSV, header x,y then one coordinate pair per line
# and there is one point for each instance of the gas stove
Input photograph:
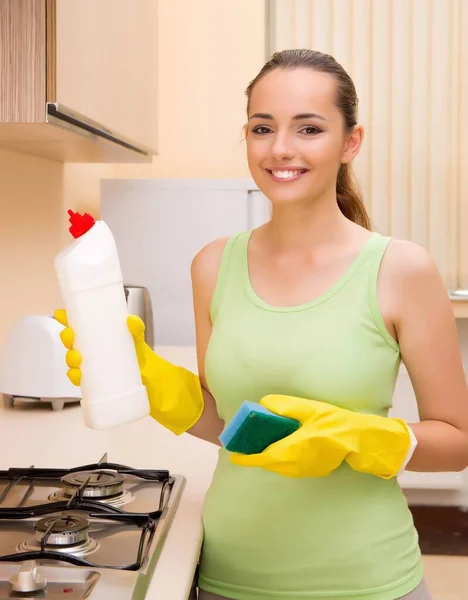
x,y
93,531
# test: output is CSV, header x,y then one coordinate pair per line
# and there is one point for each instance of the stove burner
x,y
84,549
101,484
84,521
64,533
64,530
118,501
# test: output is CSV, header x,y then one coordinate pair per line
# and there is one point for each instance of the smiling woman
x,y
311,314
289,67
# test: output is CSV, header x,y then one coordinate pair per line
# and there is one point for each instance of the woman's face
x,y
296,138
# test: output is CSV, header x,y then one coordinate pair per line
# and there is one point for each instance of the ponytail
x,y
349,197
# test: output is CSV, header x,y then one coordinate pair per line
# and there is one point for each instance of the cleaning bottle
x,y
91,285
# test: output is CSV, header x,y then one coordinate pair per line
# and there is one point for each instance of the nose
x,y
282,146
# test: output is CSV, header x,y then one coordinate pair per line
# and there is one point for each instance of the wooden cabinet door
x,y
78,79
106,64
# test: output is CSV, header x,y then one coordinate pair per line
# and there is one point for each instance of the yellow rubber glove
x,y
328,436
174,393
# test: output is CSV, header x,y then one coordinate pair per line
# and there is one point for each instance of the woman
x,y
311,314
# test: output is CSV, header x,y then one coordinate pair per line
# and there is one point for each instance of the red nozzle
x,y
80,224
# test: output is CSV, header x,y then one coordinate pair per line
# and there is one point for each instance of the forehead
x,y
286,92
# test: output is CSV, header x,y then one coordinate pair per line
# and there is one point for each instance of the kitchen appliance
x,y
93,531
32,367
32,364
139,303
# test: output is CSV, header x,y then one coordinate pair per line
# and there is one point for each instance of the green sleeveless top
x,y
348,536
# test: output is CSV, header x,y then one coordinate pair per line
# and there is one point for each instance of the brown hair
x,y
348,194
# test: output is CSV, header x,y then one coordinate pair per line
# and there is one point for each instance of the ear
x,y
245,130
352,144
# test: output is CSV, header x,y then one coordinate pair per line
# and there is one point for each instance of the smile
x,y
284,175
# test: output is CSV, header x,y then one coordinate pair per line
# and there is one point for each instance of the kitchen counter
x,y
32,434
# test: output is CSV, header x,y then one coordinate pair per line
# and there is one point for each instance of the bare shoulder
x,y
410,280
204,271
408,264
206,263
407,258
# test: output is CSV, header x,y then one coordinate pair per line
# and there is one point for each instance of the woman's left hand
x,y
328,436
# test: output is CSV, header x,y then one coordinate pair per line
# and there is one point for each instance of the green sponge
x,y
253,428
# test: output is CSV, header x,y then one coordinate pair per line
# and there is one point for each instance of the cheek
x,y
324,151
257,151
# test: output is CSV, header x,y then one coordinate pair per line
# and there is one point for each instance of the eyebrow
x,y
298,117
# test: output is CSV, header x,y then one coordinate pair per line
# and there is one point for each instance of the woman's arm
x,y
205,267
414,293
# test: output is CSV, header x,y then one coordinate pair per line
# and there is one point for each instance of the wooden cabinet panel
x,y
22,61
106,64
78,79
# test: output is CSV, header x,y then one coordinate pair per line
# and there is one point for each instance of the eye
x,y
310,130
261,129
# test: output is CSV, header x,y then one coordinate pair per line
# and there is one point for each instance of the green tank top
x,y
348,536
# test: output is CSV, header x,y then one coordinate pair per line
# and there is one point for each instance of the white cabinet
x,y
259,207
159,226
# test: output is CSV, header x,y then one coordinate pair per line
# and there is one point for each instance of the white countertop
x,y
36,435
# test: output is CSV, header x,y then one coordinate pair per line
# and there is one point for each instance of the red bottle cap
x,y
80,224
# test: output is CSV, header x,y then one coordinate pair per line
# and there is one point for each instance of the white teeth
x,y
286,174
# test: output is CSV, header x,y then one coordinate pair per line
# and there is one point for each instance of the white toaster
x,y
32,364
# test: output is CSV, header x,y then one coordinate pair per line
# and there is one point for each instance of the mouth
x,y
286,175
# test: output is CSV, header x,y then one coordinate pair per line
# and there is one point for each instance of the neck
x,y
305,226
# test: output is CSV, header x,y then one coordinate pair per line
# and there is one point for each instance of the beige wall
x,y
208,51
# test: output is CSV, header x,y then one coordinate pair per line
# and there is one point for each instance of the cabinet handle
x,y
458,294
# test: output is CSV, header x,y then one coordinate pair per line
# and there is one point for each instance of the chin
x,y
285,193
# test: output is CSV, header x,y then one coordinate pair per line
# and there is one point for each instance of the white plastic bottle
x,y
91,286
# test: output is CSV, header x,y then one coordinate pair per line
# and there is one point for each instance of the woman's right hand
x,y
73,356
174,393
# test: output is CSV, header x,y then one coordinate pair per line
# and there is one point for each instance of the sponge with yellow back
x,y
253,428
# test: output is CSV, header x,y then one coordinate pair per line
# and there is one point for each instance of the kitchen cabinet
x,y
459,300
79,79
